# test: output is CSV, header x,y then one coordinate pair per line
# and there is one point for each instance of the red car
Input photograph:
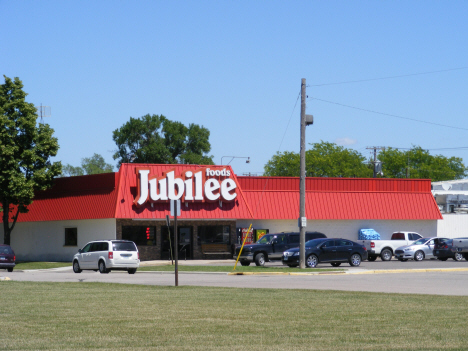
x,y
7,257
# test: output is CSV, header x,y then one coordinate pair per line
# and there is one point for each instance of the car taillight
x,y
372,244
445,247
111,255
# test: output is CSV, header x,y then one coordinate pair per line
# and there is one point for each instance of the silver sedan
x,y
418,251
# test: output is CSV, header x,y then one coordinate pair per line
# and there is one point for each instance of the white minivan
x,y
107,255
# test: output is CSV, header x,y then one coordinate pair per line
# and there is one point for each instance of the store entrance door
x,y
185,243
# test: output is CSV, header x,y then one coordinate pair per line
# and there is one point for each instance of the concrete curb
x,y
383,271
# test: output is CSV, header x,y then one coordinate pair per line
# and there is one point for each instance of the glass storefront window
x,y
214,234
140,235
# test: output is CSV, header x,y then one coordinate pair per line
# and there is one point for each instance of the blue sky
x,y
235,67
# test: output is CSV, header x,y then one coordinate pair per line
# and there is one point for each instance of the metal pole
x,y
176,246
375,162
302,178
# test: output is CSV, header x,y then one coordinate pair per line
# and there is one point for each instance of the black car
x,y
271,247
7,257
332,250
443,250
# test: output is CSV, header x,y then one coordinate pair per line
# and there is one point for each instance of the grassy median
x,y
96,316
239,269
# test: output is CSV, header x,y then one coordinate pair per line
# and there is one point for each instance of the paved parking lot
x,y
427,277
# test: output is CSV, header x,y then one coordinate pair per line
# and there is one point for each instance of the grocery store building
x,y
216,208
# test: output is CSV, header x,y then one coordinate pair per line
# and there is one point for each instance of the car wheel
x,y
355,260
386,255
102,267
132,271
336,264
260,259
245,263
76,267
444,259
371,258
10,269
419,256
311,261
458,256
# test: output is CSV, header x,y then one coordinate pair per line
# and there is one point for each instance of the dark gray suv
x,y
271,247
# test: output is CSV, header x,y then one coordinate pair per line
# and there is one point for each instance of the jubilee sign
x,y
204,184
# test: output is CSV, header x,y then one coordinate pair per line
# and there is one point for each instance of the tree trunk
x,y
6,228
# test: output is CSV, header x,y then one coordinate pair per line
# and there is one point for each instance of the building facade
x,y
216,208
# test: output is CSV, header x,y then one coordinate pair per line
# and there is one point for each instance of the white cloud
x,y
345,141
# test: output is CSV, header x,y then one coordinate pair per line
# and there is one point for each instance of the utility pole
x,y
305,121
375,148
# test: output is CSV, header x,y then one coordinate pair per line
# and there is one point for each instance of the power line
x,y
389,115
442,148
390,77
287,126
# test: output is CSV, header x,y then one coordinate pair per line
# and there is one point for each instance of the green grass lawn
x,y
182,268
96,316
41,265
228,269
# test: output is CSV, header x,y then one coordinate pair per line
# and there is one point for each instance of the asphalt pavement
x,y
427,277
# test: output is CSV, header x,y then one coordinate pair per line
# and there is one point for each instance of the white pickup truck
x,y
386,248
461,245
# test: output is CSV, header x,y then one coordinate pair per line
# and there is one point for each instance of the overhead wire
x,y
389,77
279,148
387,114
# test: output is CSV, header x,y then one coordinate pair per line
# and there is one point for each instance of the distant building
x,y
452,200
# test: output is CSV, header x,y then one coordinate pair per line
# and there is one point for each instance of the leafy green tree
x,y
323,160
156,139
283,164
25,151
330,160
89,165
70,171
95,165
417,163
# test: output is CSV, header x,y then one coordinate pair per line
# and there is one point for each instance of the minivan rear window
x,y
124,246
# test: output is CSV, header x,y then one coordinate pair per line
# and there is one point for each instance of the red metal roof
x,y
335,184
344,205
341,198
111,195
82,197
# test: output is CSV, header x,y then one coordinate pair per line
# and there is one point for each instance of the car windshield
x,y
123,246
266,239
420,241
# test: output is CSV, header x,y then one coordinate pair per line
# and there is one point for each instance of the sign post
x,y
176,244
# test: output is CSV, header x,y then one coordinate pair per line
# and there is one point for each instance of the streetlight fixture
x,y
233,157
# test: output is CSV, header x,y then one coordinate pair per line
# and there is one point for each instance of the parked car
x,y
334,251
271,247
7,257
386,248
461,245
443,250
418,251
107,255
